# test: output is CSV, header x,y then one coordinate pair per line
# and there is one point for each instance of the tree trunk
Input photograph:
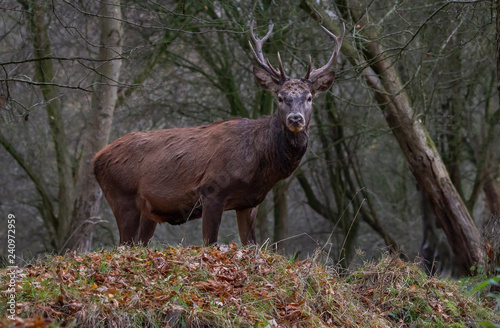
x,y
425,163
491,229
492,195
263,233
45,74
454,109
417,146
280,213
99,122
435,251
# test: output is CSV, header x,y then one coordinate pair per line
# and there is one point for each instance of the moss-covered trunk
x,y
418,148
104,98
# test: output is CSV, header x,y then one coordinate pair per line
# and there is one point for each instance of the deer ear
x,y
265,80
322,83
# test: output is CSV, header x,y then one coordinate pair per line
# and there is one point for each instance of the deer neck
x,y
288,147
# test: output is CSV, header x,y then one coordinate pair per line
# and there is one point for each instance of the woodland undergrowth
x,y
228,286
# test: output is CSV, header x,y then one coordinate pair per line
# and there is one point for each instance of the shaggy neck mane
x,y
283,149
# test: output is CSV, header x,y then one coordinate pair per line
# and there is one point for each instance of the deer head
x,y
294,95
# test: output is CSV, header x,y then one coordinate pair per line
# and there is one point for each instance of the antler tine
x,y
338,43
257,51
258,43
264,62
280,65
264,39
273,70
308,69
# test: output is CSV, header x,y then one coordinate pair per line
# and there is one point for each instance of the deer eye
x,y
310,98
280,99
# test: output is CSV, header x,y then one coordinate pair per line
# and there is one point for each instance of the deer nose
x,y
296,119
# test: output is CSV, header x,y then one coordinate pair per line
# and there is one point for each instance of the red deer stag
x,y
180,174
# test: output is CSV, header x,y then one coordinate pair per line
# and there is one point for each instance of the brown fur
x,y
181,174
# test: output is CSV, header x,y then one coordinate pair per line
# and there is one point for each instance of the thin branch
x,y
23,61
31,82
427,19
142,26
40,186
312,201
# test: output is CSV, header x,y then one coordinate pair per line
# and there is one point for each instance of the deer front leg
x,y
246,225
211,217
146,229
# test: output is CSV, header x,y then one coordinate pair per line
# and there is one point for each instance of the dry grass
x,y
227,286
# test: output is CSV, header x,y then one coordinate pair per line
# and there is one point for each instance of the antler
x,y
312,75
259,56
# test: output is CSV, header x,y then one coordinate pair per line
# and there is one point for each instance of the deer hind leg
x,y
148,221
211,217
246,225
128,218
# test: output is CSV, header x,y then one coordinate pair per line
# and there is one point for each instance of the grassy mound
x,y
230,287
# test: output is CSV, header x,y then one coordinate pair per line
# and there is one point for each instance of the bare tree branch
x,y
39,185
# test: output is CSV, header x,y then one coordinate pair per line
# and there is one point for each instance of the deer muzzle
x,y
295,122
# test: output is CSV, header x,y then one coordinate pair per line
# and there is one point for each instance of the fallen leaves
x,y
35,322
228,286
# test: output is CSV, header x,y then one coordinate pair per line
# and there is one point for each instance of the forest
x,y
403,153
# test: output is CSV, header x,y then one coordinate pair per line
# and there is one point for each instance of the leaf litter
x,y
228,286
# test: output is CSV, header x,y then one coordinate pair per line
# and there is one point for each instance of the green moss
x,y
430,142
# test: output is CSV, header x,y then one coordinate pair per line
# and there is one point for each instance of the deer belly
x,y
247,201
173,211
177,217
